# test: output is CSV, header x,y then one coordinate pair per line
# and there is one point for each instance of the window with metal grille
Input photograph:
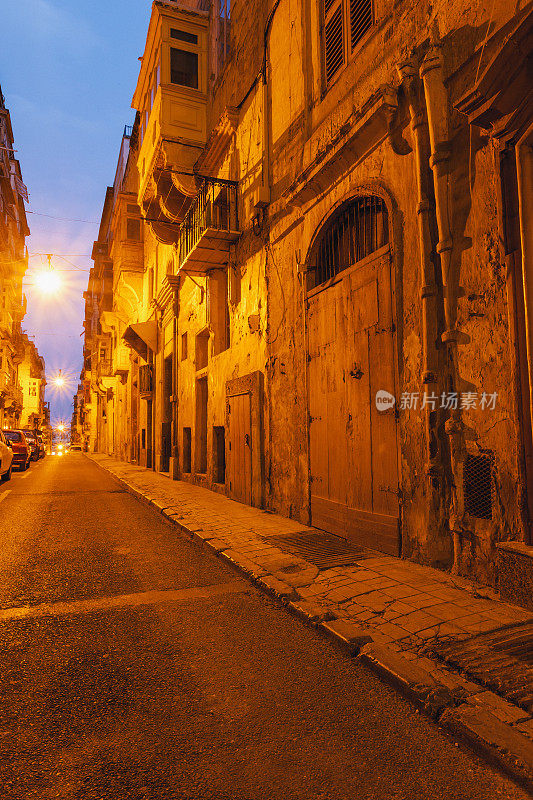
x,y
477,485
356,231
345,24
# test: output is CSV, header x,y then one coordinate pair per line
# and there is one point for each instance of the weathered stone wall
x,y
305,123
306,148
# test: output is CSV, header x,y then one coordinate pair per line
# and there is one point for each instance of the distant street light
x,y
47,280
59,380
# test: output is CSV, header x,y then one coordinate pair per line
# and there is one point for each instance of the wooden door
x,y
240,447
353,446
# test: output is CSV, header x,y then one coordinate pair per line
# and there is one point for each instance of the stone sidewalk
x,y
389,612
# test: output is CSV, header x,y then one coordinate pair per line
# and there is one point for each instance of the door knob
x,y
247,439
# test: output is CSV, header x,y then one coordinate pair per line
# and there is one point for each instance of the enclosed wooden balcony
x,y
210,226
145,380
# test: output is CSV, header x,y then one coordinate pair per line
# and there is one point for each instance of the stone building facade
x,y
326,301
32,379
22,378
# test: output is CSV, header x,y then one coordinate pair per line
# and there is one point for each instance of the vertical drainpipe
x,y
175,379
524,173
428,288
264,199
432,74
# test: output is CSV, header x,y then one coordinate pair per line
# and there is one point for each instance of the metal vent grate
x,y
324,550
477,484
501,660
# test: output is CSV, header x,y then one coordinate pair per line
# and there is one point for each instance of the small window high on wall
x,y
345,24
359,228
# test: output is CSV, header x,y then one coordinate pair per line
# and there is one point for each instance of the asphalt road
x,y
135,666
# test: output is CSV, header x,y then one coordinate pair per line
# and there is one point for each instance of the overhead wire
x,y
63,219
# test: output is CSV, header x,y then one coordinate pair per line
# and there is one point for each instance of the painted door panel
x,y
353,447
240,447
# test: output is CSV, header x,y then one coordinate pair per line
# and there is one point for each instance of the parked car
x,y
6,459
20,448
42,449
32,440
76,446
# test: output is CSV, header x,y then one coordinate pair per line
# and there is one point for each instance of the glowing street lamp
x,y
48,281
59,380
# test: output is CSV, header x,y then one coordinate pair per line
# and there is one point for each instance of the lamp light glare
x,y
48,281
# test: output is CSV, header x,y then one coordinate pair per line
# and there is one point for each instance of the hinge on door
x,y
389,329
312,419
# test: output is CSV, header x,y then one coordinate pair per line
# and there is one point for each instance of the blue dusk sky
x,y
67,70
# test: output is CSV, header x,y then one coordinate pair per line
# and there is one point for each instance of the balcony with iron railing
x,y
145,379
104,368
209,227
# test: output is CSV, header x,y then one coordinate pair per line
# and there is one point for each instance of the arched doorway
x,y
351,357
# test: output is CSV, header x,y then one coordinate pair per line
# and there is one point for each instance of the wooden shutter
x,y
361,20
333,37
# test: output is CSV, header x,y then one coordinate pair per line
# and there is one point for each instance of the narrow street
x,y
135,666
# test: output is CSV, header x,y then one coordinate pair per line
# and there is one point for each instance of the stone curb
x,y
415,683
349,636
487,735
499,743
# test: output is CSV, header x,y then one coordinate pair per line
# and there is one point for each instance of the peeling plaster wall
x,y
305,123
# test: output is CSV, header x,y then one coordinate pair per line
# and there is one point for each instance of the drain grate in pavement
x,y
501,660
324,550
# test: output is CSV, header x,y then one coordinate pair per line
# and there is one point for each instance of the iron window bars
x,y
360,228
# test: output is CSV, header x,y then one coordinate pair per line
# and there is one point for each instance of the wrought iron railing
x,y
104,368
145,379
215,206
